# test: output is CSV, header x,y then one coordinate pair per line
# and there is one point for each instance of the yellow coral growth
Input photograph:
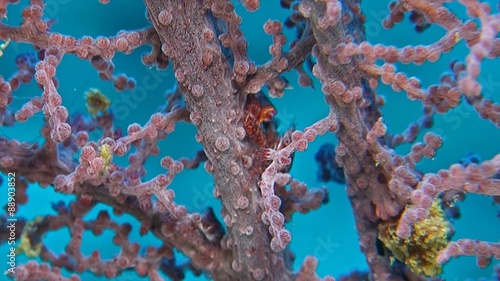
x,y
96,102
419,251
25,246
106,155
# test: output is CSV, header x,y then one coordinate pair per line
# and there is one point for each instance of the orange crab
x,y
259,114
260,126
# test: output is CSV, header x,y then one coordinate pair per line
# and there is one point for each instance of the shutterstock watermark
x,y
454,119
52,7
373,25
202,197
11,223
130,100
325,247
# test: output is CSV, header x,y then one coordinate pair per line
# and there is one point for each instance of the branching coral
x,y
220,92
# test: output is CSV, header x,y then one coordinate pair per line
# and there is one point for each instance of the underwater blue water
x,y
327,233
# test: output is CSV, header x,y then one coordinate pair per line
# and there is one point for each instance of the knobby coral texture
x,y
403,217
